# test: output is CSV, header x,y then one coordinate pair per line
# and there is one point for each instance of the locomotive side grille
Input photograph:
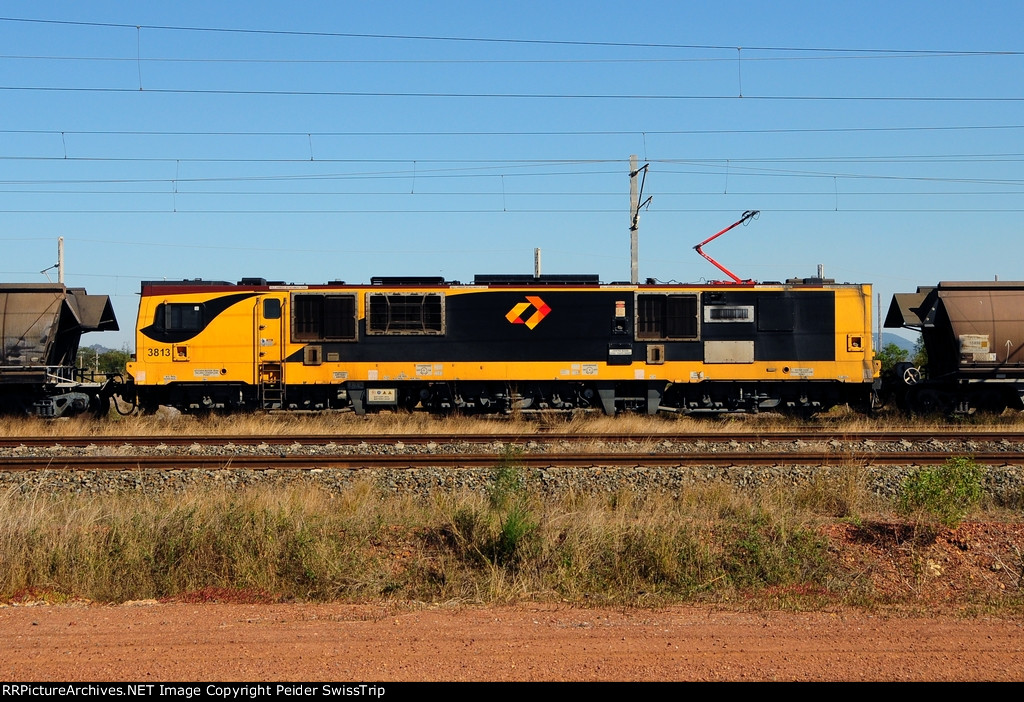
x,y
666,316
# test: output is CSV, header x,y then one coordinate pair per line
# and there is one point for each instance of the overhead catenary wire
x,y
455,38
555,132
680,97
475,61
190,191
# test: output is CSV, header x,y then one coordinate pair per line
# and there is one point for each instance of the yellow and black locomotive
x,y
502,344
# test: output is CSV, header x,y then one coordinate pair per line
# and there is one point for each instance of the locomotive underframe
x,y
471,397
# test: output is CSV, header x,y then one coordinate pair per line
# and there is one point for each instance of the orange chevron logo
x,y
515,315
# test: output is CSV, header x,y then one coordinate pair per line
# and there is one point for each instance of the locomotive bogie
x,y
493,347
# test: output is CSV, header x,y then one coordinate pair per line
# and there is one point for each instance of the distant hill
x,y
903,342
96,348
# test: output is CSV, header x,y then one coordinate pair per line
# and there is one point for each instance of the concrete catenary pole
x,y
634,220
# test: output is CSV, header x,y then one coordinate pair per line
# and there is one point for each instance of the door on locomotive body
x,y
268,341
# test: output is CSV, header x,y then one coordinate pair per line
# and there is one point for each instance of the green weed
x,y
944,495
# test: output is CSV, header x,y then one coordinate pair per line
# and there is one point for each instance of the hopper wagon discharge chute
x,y
42,325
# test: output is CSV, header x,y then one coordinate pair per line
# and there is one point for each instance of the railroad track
x,y
976,435
551,449
460,461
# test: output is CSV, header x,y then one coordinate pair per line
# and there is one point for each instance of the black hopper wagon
x,y
42,325
973,334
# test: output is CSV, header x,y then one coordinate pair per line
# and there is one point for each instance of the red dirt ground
x,y
231,642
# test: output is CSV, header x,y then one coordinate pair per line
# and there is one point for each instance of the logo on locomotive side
x,y
515,315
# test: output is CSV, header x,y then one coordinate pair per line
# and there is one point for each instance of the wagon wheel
x,y
99,405
989,400
926,401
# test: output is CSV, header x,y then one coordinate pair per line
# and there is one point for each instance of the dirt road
x,y
151,642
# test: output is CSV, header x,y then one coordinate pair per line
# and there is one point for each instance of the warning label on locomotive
x,y
381,394
205,372
802,372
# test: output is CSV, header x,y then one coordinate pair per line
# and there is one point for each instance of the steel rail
x,y
539,460
818,435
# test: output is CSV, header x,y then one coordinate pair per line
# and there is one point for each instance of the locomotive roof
x,y
151,287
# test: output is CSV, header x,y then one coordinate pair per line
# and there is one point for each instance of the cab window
x,y
175,316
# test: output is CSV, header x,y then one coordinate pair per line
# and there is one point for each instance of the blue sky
x,y
308,142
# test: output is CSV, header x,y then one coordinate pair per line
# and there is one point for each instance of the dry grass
x,y
711,543
168,422
844,494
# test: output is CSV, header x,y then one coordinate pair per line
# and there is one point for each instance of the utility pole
x,y
536,263
878,305
60,260
634,221
636,191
